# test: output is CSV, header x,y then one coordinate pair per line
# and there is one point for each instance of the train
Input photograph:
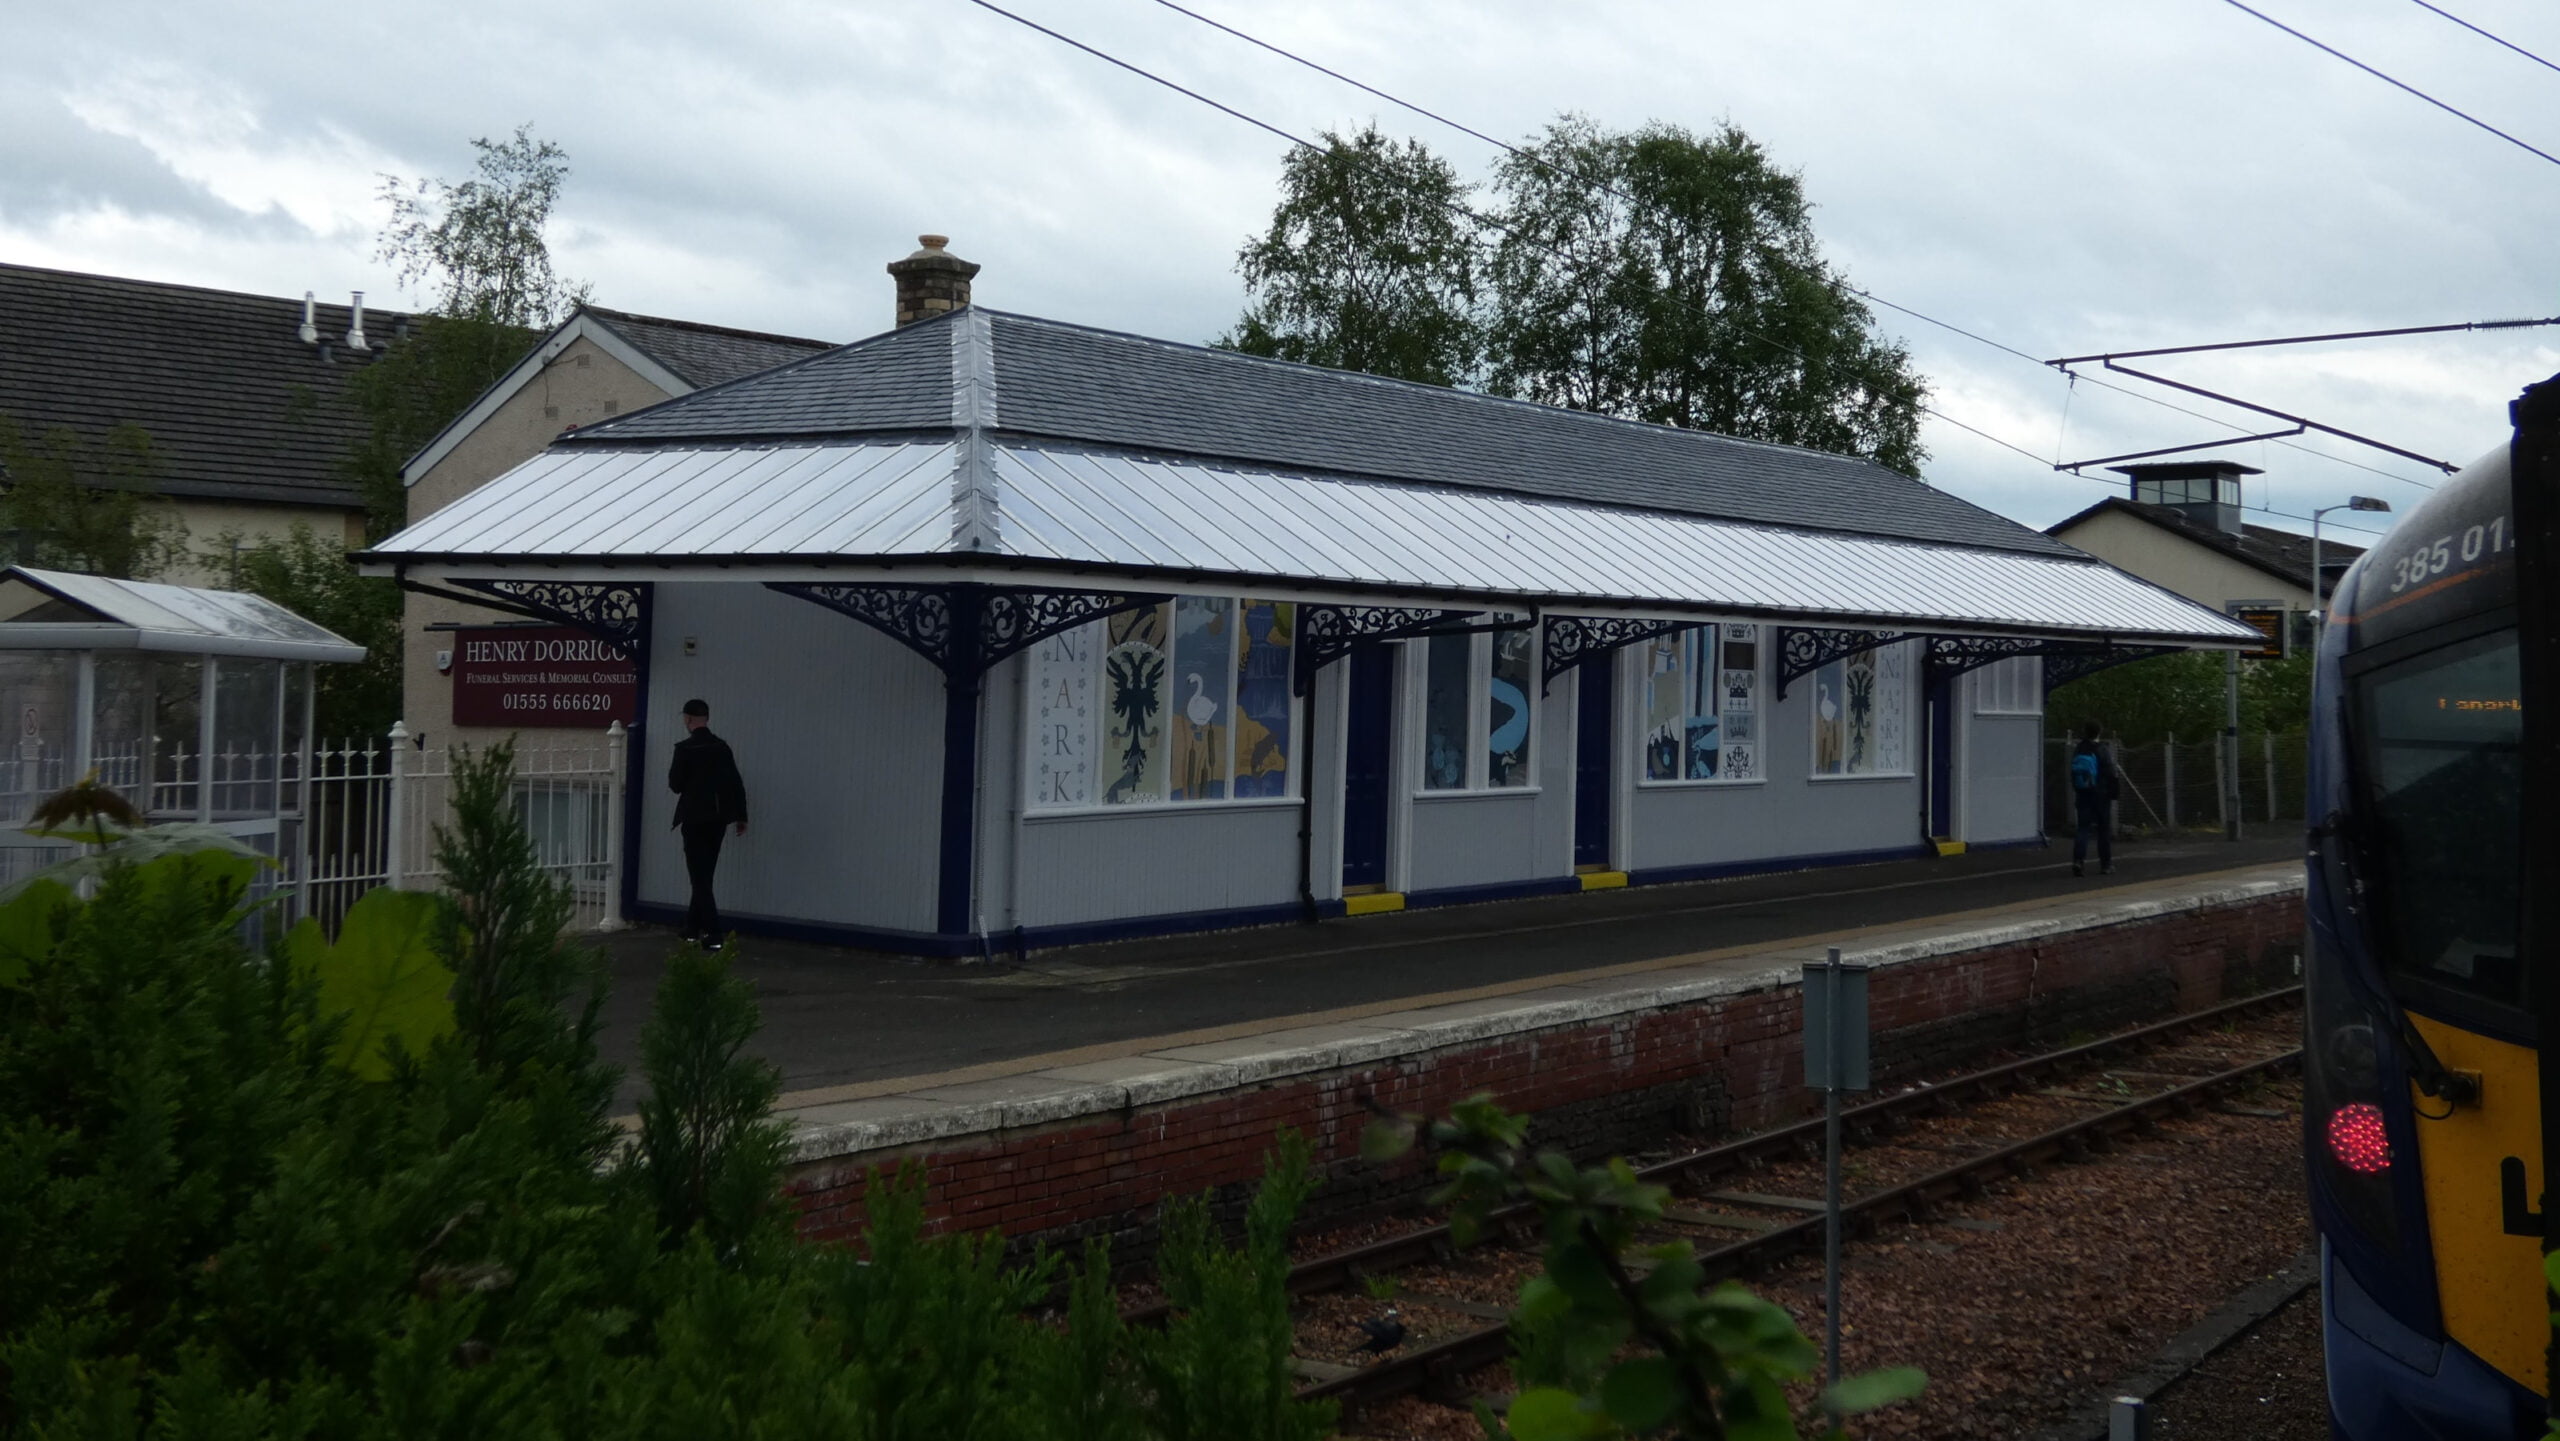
x,y
2427,1119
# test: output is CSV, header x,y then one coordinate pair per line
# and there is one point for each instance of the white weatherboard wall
x,y
1788,814
838,731
1999,770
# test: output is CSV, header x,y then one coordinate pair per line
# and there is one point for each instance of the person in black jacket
x,y
2093,791
710,797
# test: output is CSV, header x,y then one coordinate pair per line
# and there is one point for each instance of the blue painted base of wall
x,y
2023,843
973,946
1083,933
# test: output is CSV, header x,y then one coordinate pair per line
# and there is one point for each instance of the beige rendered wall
x,y
582,384
211,524
2164,559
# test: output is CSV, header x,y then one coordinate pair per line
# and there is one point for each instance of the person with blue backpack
x,y
2093,794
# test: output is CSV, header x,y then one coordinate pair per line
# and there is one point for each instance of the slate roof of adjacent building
x,y
702,355
1056,381
2284,554
237,407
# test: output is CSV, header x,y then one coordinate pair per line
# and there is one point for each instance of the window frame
x,y
1479,721
1984,703
1293,789
1641,711
1909,769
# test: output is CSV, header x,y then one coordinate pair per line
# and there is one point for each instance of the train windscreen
x,y
2440,734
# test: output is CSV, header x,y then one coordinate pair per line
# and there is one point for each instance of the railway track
x,y
1782,1226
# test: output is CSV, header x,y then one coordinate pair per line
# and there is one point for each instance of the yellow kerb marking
x,y
1373,903
1603,880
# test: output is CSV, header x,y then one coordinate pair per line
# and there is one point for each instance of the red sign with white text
x,y
514,676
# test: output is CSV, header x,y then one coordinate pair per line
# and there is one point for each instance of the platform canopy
x,y
64,610
993,447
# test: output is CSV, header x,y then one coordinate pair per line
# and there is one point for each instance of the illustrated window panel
x,y
1738,703
1860,713
1137,682
1447,676
1262,738
1701,704
1065,716
1508,685
1203,719
1666,691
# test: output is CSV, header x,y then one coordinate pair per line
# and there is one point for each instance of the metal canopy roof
x,y
63,610
970,503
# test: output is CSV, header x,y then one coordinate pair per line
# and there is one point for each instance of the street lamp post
x,y
2320,597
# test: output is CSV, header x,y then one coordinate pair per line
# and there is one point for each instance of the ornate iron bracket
x,y
1950,656
1570,640
1326,633
2062,667
934,620
611,610
1804,650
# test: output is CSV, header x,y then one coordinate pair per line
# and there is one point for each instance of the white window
x,y
2010,687
1862,713
1168,704
1701,704
1478,706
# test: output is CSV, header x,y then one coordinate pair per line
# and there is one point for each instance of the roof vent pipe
x,y
310,331
355,324
931,282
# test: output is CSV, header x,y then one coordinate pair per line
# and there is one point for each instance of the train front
x,y
2422,1101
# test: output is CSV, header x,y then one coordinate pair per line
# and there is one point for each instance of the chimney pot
x,y
931,282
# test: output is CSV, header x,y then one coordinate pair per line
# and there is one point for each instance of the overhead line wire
x,y
1304,144
1543,163
2391,80
2485,35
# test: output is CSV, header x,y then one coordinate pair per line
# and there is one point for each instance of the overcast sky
x,y
2059,177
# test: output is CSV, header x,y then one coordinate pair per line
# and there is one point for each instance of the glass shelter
x,y
194,704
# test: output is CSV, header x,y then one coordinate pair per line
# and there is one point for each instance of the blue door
x,y
1942,761
1593,730
1364,765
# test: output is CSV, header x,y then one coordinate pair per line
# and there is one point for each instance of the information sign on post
x,y
1835,1025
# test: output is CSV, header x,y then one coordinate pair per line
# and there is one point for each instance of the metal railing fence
x,y
2178,785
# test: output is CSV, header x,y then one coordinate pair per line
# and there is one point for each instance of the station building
x,y
1029,633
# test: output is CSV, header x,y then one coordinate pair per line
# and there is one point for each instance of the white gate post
x,y
616,743
394,811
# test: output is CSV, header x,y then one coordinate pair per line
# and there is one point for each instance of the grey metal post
x,y
2169,781
2229,756
2269,739
2128,1419
1831,1172
204,740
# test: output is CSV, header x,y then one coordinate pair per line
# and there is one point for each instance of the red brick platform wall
x,y
1734,1061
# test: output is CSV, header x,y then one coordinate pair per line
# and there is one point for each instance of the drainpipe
x,y
1307,794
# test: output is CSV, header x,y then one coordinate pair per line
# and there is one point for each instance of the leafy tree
x,y
1671,277
368,1186
312,579
96,508
481,244
2147,701
1369,264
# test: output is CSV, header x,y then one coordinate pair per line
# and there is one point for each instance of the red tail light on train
x,y
2358,1139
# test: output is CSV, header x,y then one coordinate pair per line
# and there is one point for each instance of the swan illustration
x,y
1200,708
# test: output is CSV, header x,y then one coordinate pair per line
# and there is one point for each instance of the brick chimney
x,y
931,282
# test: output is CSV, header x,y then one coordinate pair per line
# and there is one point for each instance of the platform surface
x,y
847,1026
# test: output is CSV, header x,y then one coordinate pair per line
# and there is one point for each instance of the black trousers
x,y
701,858
2092,818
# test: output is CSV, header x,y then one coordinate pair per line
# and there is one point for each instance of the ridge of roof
x,y
707,328
1087,384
